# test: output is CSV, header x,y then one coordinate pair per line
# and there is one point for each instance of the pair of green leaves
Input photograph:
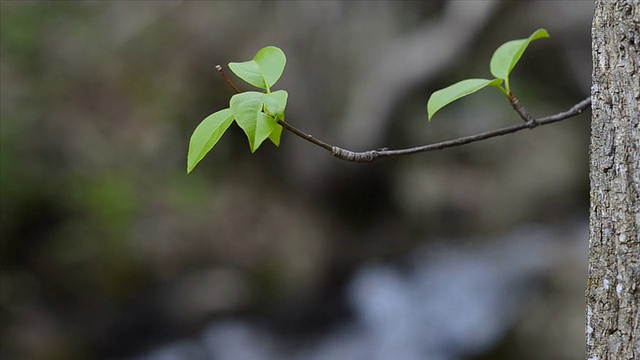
x,y
257,113
504,59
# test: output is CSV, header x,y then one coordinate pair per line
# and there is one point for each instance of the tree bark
x,y
613,288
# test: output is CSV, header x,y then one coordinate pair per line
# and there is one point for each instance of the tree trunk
x,y
613,289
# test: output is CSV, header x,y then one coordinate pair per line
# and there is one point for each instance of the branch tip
x,y
226,78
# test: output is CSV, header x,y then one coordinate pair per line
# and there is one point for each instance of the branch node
x,y
347,155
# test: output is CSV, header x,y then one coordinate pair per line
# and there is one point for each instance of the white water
x,y
447,302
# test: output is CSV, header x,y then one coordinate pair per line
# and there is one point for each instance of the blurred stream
x,y
441,302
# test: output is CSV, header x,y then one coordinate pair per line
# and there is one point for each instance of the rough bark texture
x,y
613,289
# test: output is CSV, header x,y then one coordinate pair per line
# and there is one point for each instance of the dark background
x,y
109,250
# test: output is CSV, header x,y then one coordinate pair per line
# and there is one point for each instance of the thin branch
x,y
374,154
370,155
226,78
305,136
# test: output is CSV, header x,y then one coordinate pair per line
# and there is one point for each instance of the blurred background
x,y
110,251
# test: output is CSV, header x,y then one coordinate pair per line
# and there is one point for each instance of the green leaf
x,y
275,103
506,57
206,135
264,70
272,61
444,97
250,72
247,110
275,135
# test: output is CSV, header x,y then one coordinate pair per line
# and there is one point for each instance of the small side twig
x,y
524,114
367,156
282,123
226,78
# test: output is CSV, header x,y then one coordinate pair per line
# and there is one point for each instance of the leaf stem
x,y
502,89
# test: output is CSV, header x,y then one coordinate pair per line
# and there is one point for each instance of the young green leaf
x,y
506,57
272,61
250,72
275,103
444,97
275,135
247,110
206,135
264,70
